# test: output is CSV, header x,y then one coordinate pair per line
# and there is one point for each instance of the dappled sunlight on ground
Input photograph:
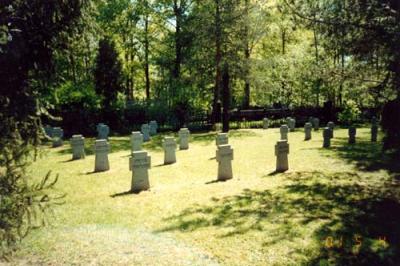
x,y
348,192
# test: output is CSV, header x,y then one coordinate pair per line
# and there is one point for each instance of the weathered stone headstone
x,y
284,132
184,135
136,141
98,126
139,164
102,131
307,131
316,124
218,127
169,145
222,139
292,125
146,132
48,130
288,119
153,128
57,137
281,153
327,137
331,126
78,147
352,134
265,123
224,158
374,130
101,149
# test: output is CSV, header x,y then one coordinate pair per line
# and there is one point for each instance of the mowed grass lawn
x,y
337,206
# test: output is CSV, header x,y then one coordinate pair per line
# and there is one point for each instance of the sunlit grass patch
x,y
257,218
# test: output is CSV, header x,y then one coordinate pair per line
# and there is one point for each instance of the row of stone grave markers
x,y
291,123
140,161
149,130
282,146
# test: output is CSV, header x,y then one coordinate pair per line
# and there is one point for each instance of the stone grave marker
x,y
288,119
292,125
352,134
145,129
327,137
78,147
265,123
57,137
101,149
184,135
139,164
222,139
102,131
136,141
224,156
169,145
316,123
281,153
48,130
307,131
331,126
284,132
153,127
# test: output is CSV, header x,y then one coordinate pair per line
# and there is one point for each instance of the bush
x,y
78,106
350,113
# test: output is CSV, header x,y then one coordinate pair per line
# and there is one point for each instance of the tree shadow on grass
x,y
367,156
309,204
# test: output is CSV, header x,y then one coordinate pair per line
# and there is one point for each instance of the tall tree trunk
x,y
218,58
146,56
283,39
246,98
178,43
318,84
396,71
340,96
132,69
396,51
226,98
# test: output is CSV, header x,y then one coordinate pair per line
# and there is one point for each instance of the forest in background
x,y
171,56
124,62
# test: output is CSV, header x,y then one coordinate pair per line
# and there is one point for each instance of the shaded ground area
x,y
107,245
367,156
352,217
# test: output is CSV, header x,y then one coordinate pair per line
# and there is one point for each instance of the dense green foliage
x,y
30,33
107,73
364,37
129,61
350,114
279,52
